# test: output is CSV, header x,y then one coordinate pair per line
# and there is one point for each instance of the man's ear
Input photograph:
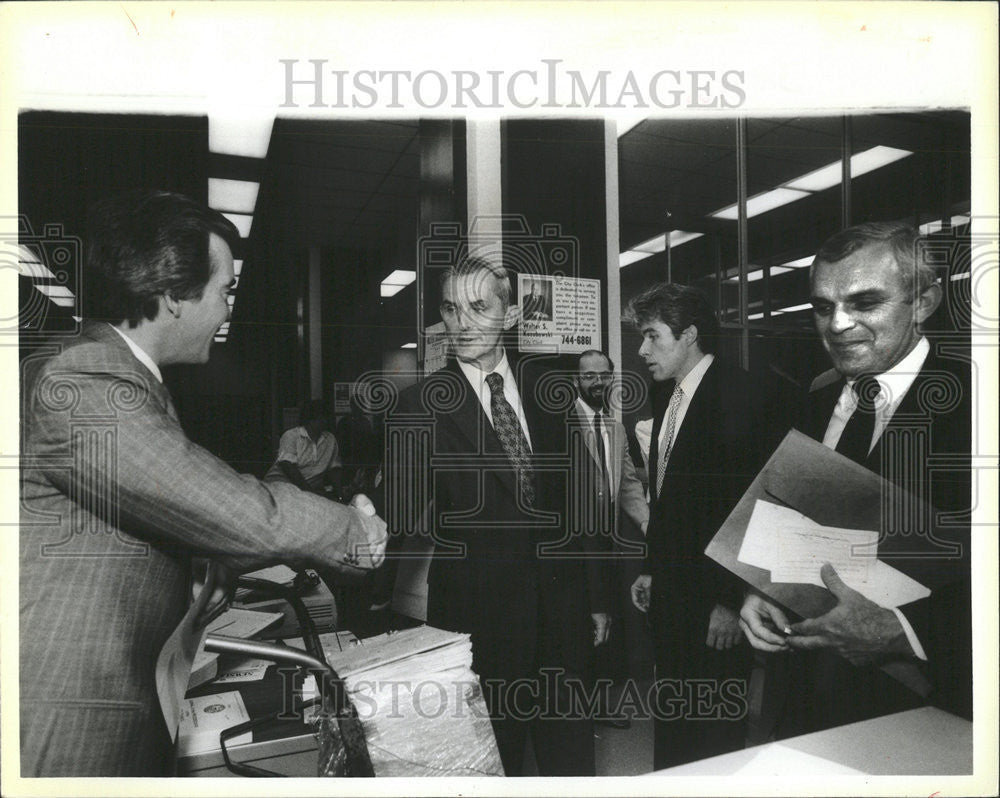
x,y
689,334
511,316
927,302
170,305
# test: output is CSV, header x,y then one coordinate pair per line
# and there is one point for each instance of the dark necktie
x,y
508,430
856,439
599,444
604,486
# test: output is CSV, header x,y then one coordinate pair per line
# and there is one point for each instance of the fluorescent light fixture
x,y
817,180
762,203
390,290
631,256
755,316
792,309
243,222
400,277
678,237
238,196
758,274
54,291
30,265
861,163
396,282
799,263
823,178
408,346
936,226
962,276
237,267
868,161
653,245
224,328
239,134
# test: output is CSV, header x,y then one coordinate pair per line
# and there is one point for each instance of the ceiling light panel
x,y
762,203
243,222
239,135
236,196
400,277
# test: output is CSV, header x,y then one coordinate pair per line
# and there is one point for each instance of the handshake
x,y
366,549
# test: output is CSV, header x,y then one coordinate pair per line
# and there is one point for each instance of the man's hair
x,y
677,306
901,238
311,410
473,264
147,244
590,352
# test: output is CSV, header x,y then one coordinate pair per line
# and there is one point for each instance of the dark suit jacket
x,y
114,502
925,449
506,573
730,429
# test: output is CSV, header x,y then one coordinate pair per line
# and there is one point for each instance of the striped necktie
x,y
668,443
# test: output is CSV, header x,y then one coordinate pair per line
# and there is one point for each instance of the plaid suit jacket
x,y
115,500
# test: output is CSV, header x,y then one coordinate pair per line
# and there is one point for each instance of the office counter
x,y
925,741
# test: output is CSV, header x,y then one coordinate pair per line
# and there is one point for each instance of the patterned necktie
x,y
668,444
508,430
856,439
602,455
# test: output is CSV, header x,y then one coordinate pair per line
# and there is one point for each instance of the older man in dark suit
x,y
484,445
704,451
893,402
115,500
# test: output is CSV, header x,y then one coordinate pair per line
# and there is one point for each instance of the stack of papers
x,y
793,548
419,702
205,717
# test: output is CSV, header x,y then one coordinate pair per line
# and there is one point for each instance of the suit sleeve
x,y
631,496
137,468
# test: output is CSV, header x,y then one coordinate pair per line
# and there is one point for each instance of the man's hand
x,y
376,530
723,628
856,628
763,623
640,591
602,627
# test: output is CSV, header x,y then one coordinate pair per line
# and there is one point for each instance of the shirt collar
x,y
587,410
477,377
897,381
140,354
693,378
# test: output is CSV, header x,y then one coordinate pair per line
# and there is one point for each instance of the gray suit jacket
x,y
115,500
627,490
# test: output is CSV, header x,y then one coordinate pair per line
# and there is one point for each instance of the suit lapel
x,y
696,420
579,420
101,331
468,421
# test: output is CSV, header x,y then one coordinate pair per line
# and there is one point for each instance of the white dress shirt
x,y
477,379
138,351
893,385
